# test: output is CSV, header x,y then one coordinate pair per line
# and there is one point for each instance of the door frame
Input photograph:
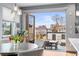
x,y
33,28
55,9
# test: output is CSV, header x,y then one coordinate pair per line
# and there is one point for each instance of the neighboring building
x,y
57,28
57,32
41,32
41,29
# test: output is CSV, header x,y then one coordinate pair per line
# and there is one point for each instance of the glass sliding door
x,y
31,28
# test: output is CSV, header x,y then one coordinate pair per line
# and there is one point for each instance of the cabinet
x,y
77,19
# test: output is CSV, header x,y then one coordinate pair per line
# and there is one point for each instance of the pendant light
x,y
19,12
15,7
77,13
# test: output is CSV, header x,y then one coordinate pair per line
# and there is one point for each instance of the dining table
x,y
13,49
53,43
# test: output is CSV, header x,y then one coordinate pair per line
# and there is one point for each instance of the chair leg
x,y
56,47
44,47
51,48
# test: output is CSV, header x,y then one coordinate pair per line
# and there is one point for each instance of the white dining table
x,y
10,48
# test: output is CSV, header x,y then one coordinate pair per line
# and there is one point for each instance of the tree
x,y
58,20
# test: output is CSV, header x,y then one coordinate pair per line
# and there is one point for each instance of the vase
x,y
15,45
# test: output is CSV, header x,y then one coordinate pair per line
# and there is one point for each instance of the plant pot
x,y
15,45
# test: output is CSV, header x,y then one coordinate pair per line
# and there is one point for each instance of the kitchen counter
x,y
75,43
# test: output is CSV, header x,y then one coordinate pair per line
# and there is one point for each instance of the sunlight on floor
x,y
57,53
61,51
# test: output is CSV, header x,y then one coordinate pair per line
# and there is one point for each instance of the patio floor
x,y
61,51
57,53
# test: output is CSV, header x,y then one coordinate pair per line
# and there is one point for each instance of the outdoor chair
x,y
47,44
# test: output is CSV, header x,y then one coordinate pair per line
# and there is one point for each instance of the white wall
x,y
0,22
70,26
5,14
24,21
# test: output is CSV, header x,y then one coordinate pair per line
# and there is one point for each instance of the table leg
x,y
51,47
56,47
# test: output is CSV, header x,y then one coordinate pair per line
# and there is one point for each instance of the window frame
x,y
11,28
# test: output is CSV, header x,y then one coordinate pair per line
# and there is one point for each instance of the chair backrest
x,y
35,52
46,43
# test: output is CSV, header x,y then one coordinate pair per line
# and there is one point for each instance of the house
x,y
58,28
41,31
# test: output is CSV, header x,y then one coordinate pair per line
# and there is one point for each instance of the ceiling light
x,y
13,14
15,8
77,13
19,12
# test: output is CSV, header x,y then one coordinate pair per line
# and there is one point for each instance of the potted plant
x,y
19,37
16,38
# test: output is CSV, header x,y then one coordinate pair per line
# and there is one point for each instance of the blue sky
x,y
46,19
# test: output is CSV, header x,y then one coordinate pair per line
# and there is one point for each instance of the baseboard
x,y
75,52
72,51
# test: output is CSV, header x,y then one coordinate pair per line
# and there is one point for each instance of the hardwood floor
x,y
57,53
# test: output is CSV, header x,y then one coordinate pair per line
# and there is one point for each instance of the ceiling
x,y
31,4
24,5
11,5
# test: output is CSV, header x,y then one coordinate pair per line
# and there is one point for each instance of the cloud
x,y
47,18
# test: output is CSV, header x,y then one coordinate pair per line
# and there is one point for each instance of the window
x,y
6,28
54,37
63,36
10,25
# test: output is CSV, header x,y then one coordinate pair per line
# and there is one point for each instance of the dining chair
x,y
47,44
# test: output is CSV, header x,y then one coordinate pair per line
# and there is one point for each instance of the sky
x,y
47,19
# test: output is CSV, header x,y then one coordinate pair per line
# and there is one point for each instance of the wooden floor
x,y
57,53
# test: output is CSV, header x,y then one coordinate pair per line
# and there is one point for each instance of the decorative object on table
x,y
19,37
24,34
16,39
